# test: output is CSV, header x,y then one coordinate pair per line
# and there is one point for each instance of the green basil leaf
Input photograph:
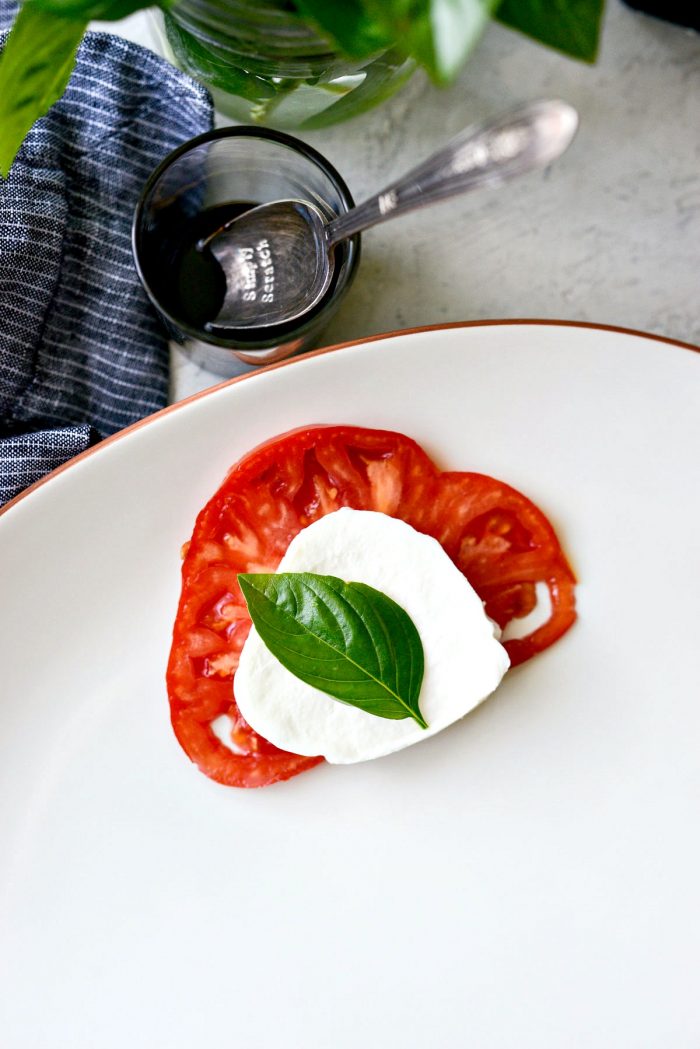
x,y
571,26
35,67
452,30
348,25
439,34
346,639
104,10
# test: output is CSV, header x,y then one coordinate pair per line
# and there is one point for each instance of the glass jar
x,y
264,64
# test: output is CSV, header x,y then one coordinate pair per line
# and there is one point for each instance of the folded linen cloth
x,y
82,353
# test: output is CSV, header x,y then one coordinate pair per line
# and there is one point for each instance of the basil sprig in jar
x,y
264,64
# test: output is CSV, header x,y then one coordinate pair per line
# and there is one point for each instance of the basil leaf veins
x,y
346,639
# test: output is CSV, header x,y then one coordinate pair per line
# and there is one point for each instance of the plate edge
x,y
368,339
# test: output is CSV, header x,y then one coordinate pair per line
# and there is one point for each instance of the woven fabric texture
x,y
82,352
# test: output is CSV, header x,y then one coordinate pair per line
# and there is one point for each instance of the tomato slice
x,y
495,535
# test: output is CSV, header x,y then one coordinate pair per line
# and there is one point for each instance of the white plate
x,y
527,880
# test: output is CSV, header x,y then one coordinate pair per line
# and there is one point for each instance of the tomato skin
x,y
500,540
504,545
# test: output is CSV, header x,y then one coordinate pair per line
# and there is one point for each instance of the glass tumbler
x,y
224,172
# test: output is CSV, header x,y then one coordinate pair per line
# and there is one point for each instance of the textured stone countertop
x,y
609,234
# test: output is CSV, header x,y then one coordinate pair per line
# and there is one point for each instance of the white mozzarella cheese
x,y
464,662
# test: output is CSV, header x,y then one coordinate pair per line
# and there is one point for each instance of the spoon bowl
x,y
276,261
278,258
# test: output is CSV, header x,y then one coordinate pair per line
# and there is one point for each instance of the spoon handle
x,y
482,155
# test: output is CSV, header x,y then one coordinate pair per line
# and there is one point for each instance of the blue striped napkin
x,y
82,353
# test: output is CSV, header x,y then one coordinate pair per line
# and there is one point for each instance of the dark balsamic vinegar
x,y
190,282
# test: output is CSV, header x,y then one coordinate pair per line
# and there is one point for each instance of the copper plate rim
x,y
532,321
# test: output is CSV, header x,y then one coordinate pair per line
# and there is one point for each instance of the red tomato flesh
x,y
500,540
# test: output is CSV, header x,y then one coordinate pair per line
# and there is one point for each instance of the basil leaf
x,y
346,639
439,34
571,26
348,25
35,67
104,10
436,33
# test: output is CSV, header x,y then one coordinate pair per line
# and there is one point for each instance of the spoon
x,y
278,258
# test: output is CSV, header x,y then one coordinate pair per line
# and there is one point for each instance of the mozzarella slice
x,y
464,662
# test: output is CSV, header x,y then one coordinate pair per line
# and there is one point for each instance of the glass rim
x,y
278,333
